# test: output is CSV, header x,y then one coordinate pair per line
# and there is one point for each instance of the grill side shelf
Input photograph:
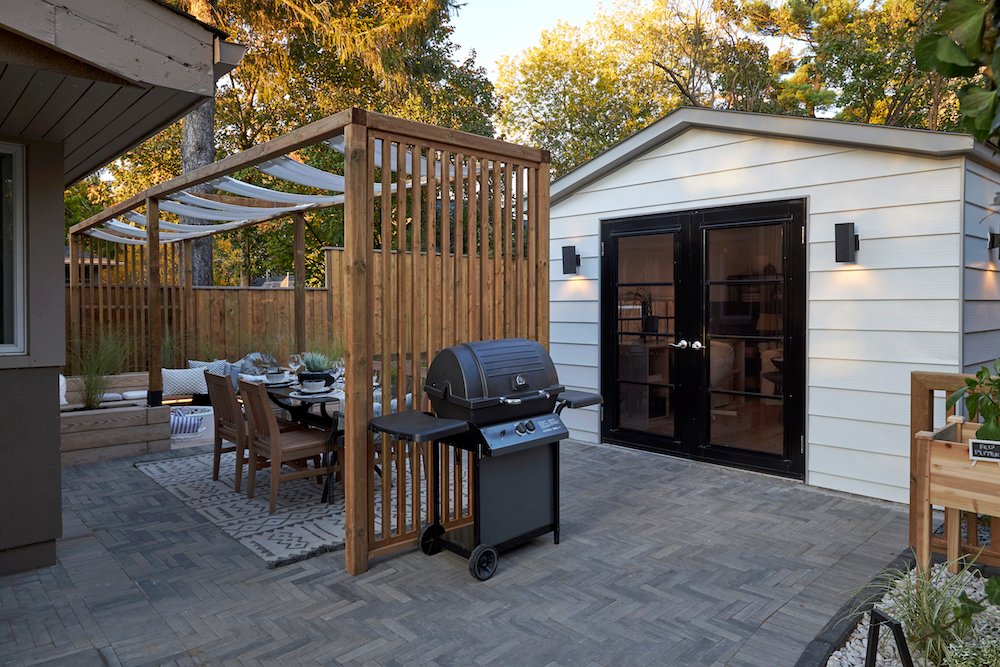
x,y
418,426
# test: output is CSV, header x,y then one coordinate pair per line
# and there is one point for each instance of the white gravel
x,y
852,653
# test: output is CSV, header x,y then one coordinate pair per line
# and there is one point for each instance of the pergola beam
x,y
287,143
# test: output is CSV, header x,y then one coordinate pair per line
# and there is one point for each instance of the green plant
x,y
982,398
315,362
331,347
982,650
933,607
170,347
107,354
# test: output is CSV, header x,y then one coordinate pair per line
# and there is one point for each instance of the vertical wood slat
x,y
532,252
541,268
382,294
498,286
74,300
472,271
358,228
486,273
446,282
508,246
458,288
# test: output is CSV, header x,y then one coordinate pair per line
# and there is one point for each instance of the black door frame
x,y
693,406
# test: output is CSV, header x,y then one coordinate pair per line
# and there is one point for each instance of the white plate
x,y
280,383
310,394
324,390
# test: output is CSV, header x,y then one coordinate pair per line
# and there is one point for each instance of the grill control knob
x,y
530,425
520,428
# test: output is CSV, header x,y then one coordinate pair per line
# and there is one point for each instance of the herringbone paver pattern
x,y
663,561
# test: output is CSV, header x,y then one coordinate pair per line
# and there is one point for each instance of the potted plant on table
x,y
316,366
982,399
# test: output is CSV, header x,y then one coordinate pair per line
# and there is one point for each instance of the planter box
x,y
943,474
109,433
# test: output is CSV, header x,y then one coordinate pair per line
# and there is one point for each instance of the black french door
x,y
703,334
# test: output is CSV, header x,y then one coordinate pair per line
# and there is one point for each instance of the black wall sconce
x,y
571,260
994,241
847,241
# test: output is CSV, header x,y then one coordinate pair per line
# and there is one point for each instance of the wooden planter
x,y
942,474
109,433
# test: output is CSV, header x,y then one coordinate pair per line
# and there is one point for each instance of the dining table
x,y
299,405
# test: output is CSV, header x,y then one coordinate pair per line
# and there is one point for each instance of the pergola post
x,y
154,361
358,230
300,281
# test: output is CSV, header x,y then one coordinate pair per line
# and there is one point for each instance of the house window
x,y
11,249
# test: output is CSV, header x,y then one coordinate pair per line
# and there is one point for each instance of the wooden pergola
x,y
463,256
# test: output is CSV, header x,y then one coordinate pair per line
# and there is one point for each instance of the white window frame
x,y
18,347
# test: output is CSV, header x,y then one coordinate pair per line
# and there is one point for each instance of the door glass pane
x,y
643,360
745,309
747,422
750,366
646,309
646,408
742,253
743,273
646,259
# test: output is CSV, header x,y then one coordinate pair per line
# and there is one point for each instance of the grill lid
x,y
493,372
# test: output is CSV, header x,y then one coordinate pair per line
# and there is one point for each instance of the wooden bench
x,y
117,428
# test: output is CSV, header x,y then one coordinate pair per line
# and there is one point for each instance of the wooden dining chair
x,y
266,441
230,424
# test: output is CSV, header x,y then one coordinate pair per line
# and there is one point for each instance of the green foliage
x,y
933,607
581,89
106,354
962,44
980,651
332,349
982,399
315,362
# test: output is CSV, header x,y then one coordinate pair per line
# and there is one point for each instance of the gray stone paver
x,y
662,561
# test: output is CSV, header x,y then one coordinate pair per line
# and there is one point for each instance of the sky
x,y
496,28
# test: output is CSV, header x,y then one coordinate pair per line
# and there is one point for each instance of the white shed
x,y
711,312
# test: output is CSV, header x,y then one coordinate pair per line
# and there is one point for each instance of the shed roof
x,y
875,137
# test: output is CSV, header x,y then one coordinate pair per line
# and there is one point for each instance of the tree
x,y
962,46
579,91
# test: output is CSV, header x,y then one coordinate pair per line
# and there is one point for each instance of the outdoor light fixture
x,y
847,241
571,260
994,240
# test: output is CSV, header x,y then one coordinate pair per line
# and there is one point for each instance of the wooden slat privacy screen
x,y
454,249
462,255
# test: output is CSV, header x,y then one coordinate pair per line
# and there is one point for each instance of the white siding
x,y
897,309
981,282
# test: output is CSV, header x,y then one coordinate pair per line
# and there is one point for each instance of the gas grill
x,y
500,400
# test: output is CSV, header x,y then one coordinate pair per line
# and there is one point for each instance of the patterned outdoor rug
x,y
301,527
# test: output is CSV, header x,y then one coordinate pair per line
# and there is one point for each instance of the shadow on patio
x,y
662,561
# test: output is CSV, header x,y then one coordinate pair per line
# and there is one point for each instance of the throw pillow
x,y
184,381
62,390
218,366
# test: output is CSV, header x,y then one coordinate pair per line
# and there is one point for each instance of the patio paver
x,y
662,561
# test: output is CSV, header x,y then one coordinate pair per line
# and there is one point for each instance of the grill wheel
x,y
483,562
428,539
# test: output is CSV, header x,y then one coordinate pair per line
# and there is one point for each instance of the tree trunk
x,y
198,150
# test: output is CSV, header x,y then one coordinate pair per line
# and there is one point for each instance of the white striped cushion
x,y
184,381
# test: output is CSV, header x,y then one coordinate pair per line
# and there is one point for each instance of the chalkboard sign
x,y
984,450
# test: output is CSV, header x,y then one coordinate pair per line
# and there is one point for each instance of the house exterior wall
x,y
981,287
29,396
869,324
